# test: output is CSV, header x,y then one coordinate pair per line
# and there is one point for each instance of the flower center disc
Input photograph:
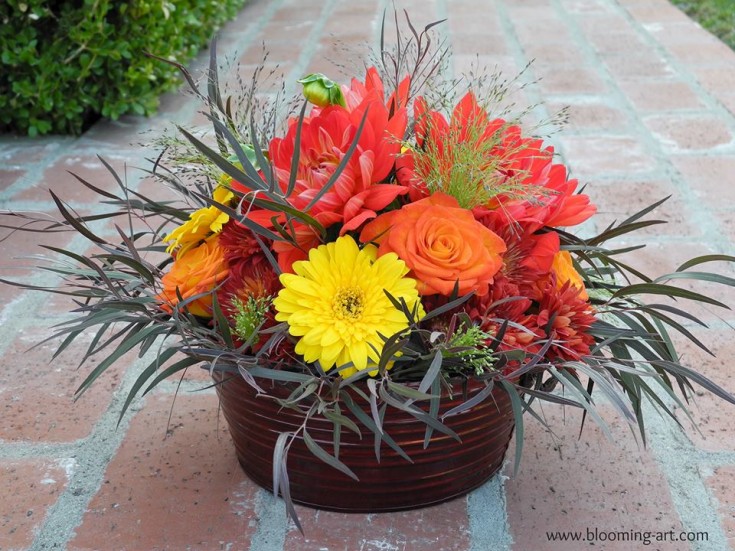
x,y
348,303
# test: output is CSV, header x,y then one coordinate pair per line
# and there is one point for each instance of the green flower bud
x,y
321,91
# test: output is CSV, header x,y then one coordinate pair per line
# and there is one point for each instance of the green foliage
x,y
63,63
717,16
250,315
468,344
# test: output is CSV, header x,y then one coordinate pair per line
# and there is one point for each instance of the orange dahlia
x,y
358,193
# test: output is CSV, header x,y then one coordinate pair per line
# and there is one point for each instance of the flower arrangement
x,y
381,245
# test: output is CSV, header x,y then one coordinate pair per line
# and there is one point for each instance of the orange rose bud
x,y
441,243
563,267
197,271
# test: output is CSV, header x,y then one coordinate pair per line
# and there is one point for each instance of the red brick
x,y
568,80
335,61
592,7
126,133
622,43
603,22
658,259
474,44
700,53
589,157
21,152
689,132
505,65
718,80
30,487
485,23
550,54
722,486
710,177
567,483
421,12
640,65
442,527
278,51
686,38
8,177
270,80
538,24
172,486
158,190
286,16
17,246
713,416
57,178
38,393
656,12
617,200
366,9
591,116
352,27
660,94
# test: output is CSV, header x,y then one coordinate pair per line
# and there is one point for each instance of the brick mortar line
x,y
34,174
487,513
620,101
29,301
679,466
92,453
83,144
690,482
710,99
25,449
489,503
271,524
91,457
703,216
312,44
714,459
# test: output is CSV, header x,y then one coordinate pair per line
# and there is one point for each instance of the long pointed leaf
x,y
323,455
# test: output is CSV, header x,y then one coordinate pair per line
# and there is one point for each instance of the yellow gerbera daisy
x,y
201,224
336,303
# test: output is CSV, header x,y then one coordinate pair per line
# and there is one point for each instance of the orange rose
x,y
441,243
197,271
564,269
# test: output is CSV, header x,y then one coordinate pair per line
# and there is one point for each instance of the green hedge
x,y
63,63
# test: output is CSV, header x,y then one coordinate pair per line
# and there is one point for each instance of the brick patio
x,y
652,113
